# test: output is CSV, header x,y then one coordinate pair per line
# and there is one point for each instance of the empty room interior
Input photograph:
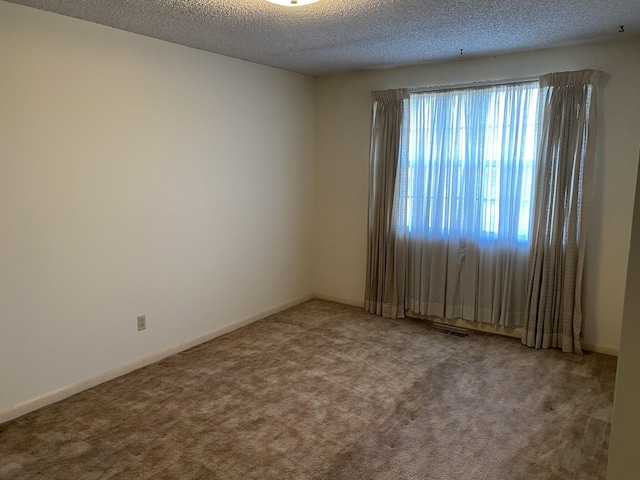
x,y
240,239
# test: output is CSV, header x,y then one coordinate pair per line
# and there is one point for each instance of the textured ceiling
x,y
340,35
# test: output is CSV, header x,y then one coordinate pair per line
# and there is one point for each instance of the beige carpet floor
x,y
326,391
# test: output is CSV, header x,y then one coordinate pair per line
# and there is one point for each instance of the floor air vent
x,y
450,329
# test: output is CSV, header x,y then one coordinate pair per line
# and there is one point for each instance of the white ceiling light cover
x,y
292,3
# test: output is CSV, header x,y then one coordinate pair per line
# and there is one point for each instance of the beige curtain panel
x,y
563,189
385,272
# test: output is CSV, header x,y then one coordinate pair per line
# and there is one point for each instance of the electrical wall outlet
x,y
142,322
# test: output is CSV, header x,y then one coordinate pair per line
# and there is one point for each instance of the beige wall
x,y
138,176
342,142
624,460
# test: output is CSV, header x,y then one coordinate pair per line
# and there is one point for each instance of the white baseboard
x,y
346,301
607,349
69,390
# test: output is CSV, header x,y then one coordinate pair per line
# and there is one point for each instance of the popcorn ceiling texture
x,y
340,35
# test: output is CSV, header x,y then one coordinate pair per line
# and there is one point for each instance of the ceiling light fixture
x,y
292,3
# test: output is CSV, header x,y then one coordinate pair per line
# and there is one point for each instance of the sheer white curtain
x,y
464,192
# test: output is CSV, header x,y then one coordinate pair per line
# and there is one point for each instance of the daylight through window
x,y
470,163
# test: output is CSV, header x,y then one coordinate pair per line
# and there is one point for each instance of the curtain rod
x,y
461,86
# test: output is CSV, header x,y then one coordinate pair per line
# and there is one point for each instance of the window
x,y
470,162
451,204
